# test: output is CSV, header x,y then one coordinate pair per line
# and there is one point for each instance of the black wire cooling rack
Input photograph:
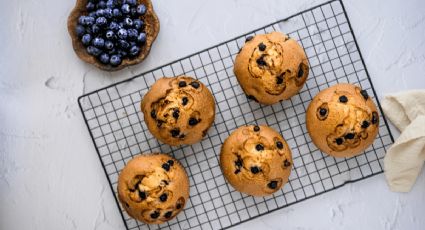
x,y
119,133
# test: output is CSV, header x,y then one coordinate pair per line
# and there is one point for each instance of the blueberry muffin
x,y
178,110
153,188
342,120
271,67
113,34
256,160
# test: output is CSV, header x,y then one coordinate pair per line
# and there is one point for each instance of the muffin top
x,y
342,120
271,67
153,188
178,110
256,160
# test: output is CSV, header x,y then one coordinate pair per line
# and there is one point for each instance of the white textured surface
x,y
50,175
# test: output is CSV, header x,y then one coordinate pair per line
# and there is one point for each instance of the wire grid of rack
x,y
116,125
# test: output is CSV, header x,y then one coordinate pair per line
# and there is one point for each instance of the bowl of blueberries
x,y
113,34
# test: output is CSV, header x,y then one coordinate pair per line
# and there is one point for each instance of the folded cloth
x,y
404,160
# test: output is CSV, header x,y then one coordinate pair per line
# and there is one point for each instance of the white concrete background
x,y
50,175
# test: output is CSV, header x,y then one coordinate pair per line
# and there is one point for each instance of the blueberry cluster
x,y
112,30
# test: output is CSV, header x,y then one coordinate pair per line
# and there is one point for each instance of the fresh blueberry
x,y
117,13
108,13
110,4
112,51
90,6
131,2
123,44
114,26
98,42
86,20
128,22
141,38
141,9
138,24
109,45
80,30
104,58
132,43
95,29
93,51
134,51
132,34
133,11
115,60
121,25
101,4
92,14
89,20
100,12
125,8
89,30
109,34
122,33
101,21
122,53
86,39
82,20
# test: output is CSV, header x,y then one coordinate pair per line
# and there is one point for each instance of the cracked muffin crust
x,y
153,188
342,120
178,110
271,67
256,160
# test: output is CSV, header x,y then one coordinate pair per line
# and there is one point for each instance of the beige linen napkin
x,y
404,160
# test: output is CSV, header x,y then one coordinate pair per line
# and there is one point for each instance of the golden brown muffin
x,y
178,110
271,67
342,120
153,188
256,160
